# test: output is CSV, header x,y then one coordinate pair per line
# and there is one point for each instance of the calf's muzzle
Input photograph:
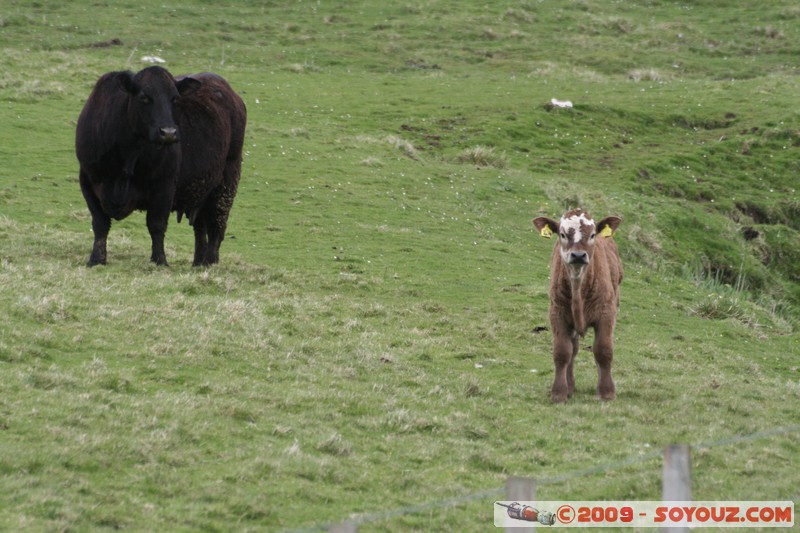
x,y
578,258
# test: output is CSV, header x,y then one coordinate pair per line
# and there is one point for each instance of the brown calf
x,y
585,273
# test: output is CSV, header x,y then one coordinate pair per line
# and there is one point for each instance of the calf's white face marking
x,y
574,223
577,234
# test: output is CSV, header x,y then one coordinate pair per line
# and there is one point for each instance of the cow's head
x,y
153,96
577,235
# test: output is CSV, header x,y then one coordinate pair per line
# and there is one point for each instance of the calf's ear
x,y
607,226
546,226
187,86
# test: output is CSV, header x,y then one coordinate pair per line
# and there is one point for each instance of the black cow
x,y
152,142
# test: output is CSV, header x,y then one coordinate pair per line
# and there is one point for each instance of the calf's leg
x,y
563,356
603,349
570,373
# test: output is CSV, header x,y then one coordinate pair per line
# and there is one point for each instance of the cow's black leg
x,y
200,242
216,232
157,226
220,203
207,239
101,224
213,221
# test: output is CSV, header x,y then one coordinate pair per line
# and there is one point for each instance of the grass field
x,y
372,340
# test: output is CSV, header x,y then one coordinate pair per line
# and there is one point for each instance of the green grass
x,y
368,340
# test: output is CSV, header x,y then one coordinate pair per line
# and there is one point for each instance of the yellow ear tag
x,y
606,231
546,232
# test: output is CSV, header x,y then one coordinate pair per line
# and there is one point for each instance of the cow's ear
x,y
607,226
187,86
126,83
546,226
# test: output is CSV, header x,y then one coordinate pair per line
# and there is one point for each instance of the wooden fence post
x,y
520,489
676,481
348,526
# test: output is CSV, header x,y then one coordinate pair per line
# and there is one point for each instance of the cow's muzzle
x,y
168,135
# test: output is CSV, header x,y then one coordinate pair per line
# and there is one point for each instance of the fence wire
x,y
368,518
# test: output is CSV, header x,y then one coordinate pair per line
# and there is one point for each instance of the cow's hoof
x,y
206,262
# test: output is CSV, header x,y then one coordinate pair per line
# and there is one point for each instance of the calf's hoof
x,y
608,394
559,396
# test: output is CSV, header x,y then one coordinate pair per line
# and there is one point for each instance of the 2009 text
x,y
647,514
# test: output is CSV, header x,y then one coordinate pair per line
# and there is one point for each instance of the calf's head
x,y
153,97
577,236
